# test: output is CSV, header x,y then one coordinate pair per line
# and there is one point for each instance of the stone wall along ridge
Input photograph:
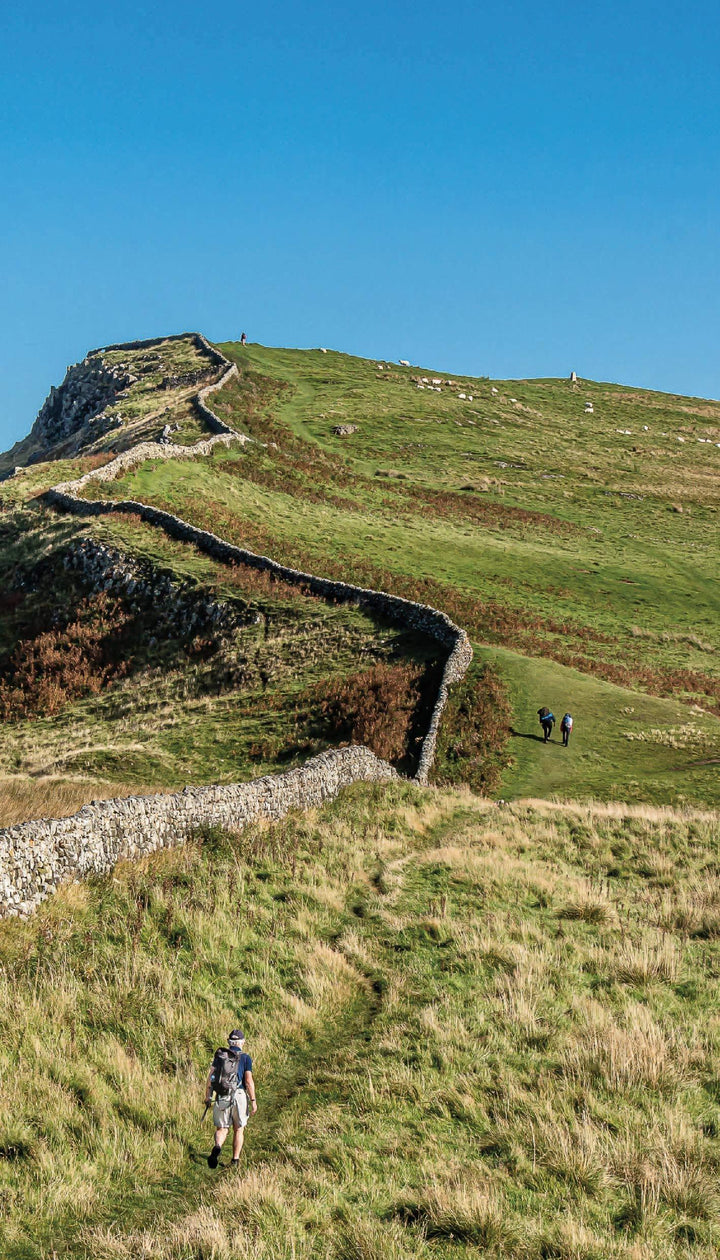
x,y
36,856
223,434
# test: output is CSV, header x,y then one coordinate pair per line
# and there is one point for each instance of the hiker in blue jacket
x,y
231,1080
547,721
566,725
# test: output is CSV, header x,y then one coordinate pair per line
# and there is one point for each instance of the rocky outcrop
x,y
77,408
181,609
78,414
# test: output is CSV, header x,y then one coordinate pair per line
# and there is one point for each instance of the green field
x,y
174,714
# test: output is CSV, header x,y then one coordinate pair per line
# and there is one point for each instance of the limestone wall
x,y
36,856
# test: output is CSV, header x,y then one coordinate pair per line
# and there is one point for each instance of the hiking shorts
x,y
231,1111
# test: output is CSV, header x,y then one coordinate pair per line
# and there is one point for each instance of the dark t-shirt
x,y
244,1065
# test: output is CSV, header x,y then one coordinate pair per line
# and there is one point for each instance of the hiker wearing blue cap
x,y
231,1081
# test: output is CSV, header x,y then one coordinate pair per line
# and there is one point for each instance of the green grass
x,y
477,1028
572,567
624,746
474,1030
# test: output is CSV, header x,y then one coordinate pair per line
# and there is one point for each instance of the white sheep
x,y
404,362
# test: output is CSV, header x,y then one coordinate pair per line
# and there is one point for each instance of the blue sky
x,y
508,188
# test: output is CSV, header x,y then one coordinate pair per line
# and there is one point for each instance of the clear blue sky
x,y
515,187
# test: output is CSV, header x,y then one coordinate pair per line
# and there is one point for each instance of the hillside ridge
x,y
36,856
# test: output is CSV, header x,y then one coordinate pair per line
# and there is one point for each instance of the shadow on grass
x,y
527,735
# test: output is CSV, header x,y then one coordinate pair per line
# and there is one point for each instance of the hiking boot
x,y
234,1163
213,1157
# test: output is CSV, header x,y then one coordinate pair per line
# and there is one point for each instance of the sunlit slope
x,y
587,555
541,453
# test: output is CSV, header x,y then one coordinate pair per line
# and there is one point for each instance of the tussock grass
x,y
23,798
446,1062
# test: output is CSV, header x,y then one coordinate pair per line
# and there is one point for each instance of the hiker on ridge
x,y
243,339
566,725
547,721
231,1080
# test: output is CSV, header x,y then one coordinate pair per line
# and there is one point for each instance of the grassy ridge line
x,y
438,624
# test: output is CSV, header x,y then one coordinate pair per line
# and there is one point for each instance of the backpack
x,y
225,1067
567,722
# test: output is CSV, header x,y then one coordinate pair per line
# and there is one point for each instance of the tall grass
x,y
447,1062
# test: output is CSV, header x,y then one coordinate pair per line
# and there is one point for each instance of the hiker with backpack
x,y
231,1081
566,726
547,721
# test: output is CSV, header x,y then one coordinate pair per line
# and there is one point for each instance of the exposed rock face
x,y
78,406
182,608
344,430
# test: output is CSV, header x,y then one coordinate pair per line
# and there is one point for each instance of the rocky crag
x,y
94,409
35,857
75,414
180,608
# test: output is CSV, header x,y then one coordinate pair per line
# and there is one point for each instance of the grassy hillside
x,y
98,699
475,1029
478,1028
578,549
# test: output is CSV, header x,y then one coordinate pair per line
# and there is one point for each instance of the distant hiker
x,y
231,1081
547,721
243,339
566,725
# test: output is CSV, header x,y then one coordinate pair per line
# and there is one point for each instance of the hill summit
x,y
119,396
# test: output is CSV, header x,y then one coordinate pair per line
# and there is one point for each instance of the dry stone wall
x,y
37,856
